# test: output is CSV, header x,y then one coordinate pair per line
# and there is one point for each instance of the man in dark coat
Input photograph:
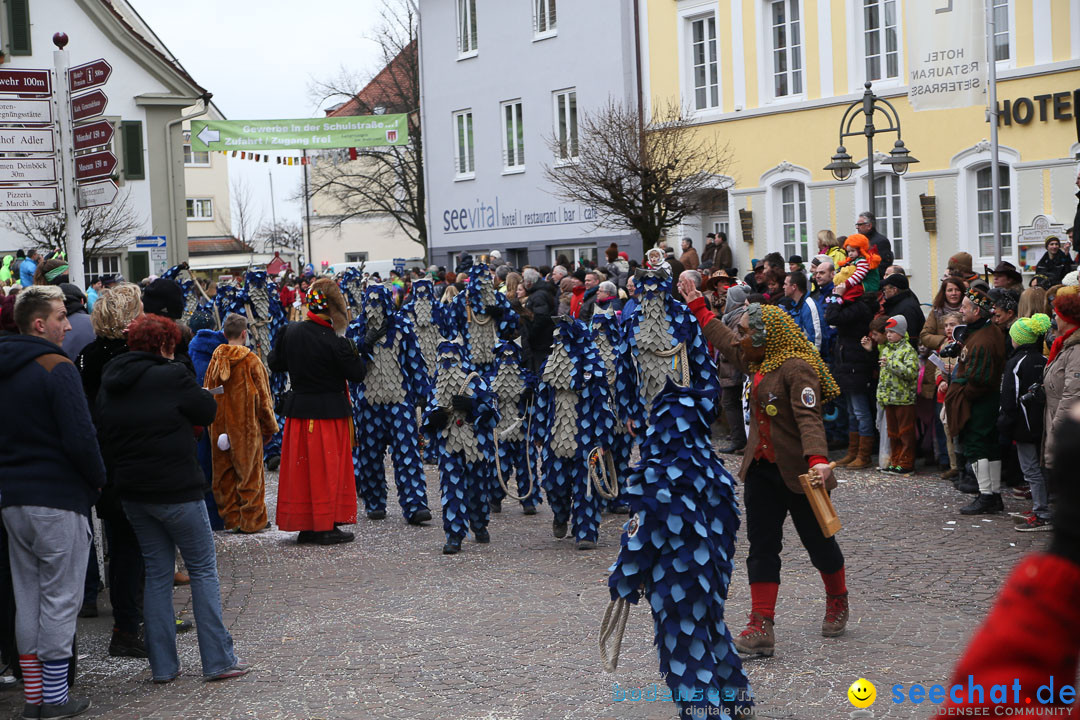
x,y
853,368
900,300
541,304
724,258
866,224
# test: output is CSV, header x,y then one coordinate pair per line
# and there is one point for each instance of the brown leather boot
x,y
852,450
866,448
836,616
758,637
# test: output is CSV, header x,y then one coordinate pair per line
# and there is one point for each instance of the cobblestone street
x,y
389,627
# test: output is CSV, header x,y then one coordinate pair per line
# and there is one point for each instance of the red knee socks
x,y
31,672
763,598
835,583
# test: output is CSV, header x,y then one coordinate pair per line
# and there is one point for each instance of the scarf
x,y
783,341
1059,343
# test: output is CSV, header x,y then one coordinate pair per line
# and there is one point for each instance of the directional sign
x,y
27,199
95,134
27,141
37,82
94,165
88,75
19,110
96,194
306,134
86,106
27,170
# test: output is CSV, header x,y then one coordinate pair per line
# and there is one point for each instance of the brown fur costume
x,y
339,310
246,415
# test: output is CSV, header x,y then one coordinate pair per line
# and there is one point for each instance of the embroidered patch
x,y
963,355
809,399
633,526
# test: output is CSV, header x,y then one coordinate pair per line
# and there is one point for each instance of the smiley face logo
x,y
862,693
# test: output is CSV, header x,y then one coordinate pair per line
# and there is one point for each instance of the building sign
x,y
485,216
1032,240
1057,106
947,56
353,131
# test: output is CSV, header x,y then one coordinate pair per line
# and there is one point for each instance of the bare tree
x,y
639,176
380,181
245,224
105,229
286,234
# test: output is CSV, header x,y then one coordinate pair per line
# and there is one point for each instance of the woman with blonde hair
x,y
449,294
828,244
1032,302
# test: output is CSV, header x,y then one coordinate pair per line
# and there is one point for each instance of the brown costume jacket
x,y
978,374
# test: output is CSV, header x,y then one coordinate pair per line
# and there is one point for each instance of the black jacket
x,y
318,362
1076,225
1020,421
542,302
1054,268
884,248
48,453
91,363
588,305
905,303
147,409
851,365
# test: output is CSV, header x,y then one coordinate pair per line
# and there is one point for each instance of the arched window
x,y
793,222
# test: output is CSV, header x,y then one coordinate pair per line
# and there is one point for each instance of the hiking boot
x,y
852,450
862,460
984,504
482,536
73,707
1034,524
558,529
126,644
965,482
836,615
452,546
758,637
420,516
950,474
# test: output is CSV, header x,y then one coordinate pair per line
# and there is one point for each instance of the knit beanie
x,y
1071,280
164,297
898,324
961,262
1028,330
896,280
736,296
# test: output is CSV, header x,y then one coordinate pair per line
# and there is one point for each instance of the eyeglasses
x,y
860,224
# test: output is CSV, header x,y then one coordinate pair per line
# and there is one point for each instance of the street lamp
x,y
899,158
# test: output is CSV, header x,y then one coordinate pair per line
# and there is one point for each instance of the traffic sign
x,y
94,165
87,106
96,194
21,80
95,134
150,241
89,75
27,141
27,199
27,170
20,110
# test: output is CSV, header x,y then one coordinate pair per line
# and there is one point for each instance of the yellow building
x,y
772,78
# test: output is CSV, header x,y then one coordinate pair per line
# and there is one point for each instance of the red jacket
x,y
576,296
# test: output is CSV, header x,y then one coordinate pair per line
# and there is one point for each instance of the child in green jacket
x,y
896,393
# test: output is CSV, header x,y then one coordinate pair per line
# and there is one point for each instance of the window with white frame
x,y
704,66
1001,30
99,265
576,254
513,136
544,18
356,257
566,129
463,144
466,27
200,208
194,158
984,210
880,43
793,226
887,210
786,46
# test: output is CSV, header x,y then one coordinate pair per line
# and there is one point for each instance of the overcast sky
x,y
258,61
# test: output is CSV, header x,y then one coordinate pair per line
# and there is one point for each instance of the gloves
x,y
494,311
462,403
438,418
374,336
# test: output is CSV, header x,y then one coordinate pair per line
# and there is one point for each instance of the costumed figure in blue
x,y
481,316
677,551
610,344
266,317
575,426
384,408
460,423
426,313
352,285
515,389
193,299
664,342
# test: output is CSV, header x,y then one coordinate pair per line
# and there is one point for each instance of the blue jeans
x,y
161,528
860,409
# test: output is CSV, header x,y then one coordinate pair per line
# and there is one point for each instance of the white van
x,y
383,267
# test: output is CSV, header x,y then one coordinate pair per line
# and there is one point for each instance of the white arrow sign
x,y
27,170
208,136
96,194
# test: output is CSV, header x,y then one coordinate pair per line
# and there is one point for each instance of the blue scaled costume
x,y
664,341
384,407
480,316
514,388
427,315
607,334
572,419
266,318
460,422
677,551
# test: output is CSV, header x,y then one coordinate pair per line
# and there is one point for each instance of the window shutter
x,y
134,165
19,26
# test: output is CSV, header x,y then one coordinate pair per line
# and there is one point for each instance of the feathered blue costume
x,y
514,388
611,346
480,316
426,313
384,407
677,550
460,421
572,418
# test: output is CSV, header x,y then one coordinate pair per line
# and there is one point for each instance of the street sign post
x,y
24,81
25,110
89,75
27,141
27,170
95,165
96,194
93,135
307,134
87,106
28,199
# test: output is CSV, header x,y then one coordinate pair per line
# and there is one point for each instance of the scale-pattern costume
x,y
426,314
515,388
572,419
481,317
664,342
266,318
463,441
611,346
352,287
384,405
677,551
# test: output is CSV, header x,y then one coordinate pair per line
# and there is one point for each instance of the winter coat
x,y
318,362
201,349
837,255
27,268
724,258
977,375
851,365
588,304
1017,420
1054,268
896,382
617,272
932,335
806,316
708,257
690,259
905,303
1061,381
49,456
883,247
538,329
80,335
5,269
91,364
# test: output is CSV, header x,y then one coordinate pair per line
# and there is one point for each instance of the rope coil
x,y
602,475
612,629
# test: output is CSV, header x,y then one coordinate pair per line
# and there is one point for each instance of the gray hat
x,y
736,297
898,324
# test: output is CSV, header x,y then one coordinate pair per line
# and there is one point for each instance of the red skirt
x,y
316,487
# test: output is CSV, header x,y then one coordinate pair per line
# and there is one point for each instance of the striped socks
x,y
55,682
31,672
